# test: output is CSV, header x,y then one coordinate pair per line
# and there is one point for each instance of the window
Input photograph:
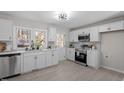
x,y
23,37
60,40
40,39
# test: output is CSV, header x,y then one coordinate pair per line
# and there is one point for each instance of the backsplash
x,y
79,45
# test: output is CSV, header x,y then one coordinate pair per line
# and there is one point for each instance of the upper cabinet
x,y
52,34
104,28
73,36
94,34
95,31
119,25
6,30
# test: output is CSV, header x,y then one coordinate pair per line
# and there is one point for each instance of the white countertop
x,y
23,51
11,52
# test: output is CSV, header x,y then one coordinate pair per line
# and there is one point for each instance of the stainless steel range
x,y
81,57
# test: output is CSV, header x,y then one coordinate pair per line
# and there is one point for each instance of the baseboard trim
x,y
110,68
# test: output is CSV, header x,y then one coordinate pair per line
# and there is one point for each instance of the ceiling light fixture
x,y
63,16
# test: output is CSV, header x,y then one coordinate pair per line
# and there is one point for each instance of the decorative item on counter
x,y
49,47
71,46
2,46
27,48
32,45
38,44
93,45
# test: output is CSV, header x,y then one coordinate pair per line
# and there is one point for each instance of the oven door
x,y
81,57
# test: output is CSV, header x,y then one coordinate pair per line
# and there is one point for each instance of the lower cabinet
x,y
29,62
61,53
40,61
33,61
48,58
52,58
93,58
55,57
71,54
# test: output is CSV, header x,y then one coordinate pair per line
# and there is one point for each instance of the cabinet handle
x,y
35,57
109,28
10,37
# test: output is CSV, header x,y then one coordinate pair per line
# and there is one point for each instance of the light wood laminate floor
x,y
70,71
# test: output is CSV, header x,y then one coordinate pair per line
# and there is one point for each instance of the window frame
x,y
59,41
32,36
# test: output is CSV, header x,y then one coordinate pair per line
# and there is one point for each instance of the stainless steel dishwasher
x,y
10,65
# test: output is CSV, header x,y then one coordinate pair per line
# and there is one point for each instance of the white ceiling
x,y
78,18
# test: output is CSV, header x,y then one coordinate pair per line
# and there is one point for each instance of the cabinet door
x,y
75,36
40,63
29,63
68,54
52,34
94,34
61,53
5,30
55,57
89,58
92,58
71,38
71,54
4,67
104,28
48,58
117,25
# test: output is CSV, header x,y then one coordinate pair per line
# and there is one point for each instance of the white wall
x,y
34,24
112,45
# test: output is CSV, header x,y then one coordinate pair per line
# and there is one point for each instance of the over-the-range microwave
x,y
84,37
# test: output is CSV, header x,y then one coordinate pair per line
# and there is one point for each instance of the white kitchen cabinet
x,y
29,62
93,58
104,28
51,57
4,67
6,30
52,34
73,36
62,54
55,57
119,25
71,54
48,58
33,61
94,34
114,26
40,61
